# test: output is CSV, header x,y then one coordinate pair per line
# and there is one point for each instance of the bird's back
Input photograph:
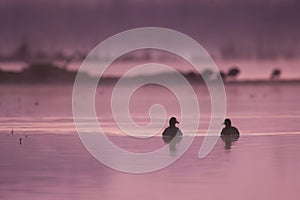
x,y
171,132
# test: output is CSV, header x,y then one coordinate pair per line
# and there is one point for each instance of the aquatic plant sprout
x,y
83,100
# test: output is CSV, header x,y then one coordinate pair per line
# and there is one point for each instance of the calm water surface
x,y
53,164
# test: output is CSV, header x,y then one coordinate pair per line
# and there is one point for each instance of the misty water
x,y
52,163
249,68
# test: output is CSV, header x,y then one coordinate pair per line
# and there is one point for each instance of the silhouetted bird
x,y
233,72
229,133
172,135
228,129
172,130
275,74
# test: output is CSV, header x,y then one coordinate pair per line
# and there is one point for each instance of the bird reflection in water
x,y
172,141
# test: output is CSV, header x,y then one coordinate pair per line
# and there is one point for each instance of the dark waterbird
x,y
233,72
172,130
229,134
172,135
275,74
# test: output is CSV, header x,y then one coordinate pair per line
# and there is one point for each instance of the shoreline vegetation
x,y
46,73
